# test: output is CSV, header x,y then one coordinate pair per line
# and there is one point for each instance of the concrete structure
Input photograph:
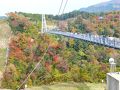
x,y
113,81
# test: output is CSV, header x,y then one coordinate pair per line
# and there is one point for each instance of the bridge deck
x,y
106,41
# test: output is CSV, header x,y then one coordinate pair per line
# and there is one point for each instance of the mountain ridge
x,y
2,17
113,5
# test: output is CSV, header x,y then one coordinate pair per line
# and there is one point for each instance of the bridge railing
x,y
107,41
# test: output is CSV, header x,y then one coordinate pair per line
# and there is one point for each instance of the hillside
x,y
57,57
113,5
4,36
4,33
106,24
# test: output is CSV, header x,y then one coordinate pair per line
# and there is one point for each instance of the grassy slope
x,y
71,86
4,35
2,57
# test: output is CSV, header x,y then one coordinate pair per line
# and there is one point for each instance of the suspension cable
x,y
45,51
33,69
65,6
60,7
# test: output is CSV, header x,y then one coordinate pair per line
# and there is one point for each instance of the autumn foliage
x,y
60,60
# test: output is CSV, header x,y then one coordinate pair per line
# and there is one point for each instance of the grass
x,y
5,33
71,86
5,30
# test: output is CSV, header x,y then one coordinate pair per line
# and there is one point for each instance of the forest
x,y
60,59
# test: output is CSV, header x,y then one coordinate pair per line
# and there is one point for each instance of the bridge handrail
x,y
107,41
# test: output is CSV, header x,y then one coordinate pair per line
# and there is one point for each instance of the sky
x,y
43,6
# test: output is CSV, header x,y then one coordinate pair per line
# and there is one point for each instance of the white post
x,y
113,78
44,25
112,65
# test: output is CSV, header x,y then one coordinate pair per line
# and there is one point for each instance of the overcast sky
x,y
43,6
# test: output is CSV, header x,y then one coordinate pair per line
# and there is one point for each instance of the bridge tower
x,y
44,25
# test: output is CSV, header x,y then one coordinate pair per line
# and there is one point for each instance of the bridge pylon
x,y
44,25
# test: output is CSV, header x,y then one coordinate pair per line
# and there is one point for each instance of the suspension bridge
x,y
88,37
97,39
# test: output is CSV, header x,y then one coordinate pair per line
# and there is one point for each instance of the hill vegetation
x,y
106,24
61,59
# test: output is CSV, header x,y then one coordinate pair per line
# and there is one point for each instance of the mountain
x,y
2,17
113,5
